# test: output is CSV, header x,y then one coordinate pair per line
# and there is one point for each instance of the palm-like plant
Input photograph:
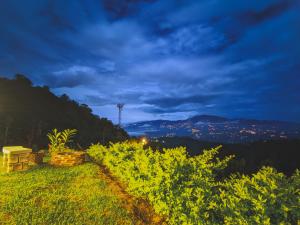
x,y
59,140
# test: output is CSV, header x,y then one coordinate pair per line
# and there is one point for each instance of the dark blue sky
x,y
163,59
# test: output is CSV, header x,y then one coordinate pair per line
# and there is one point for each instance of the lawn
x,y
47,195
1,168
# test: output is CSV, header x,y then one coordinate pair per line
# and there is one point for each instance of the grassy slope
x,y
47,195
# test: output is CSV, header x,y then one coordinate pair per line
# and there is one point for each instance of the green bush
x,y
187,190
59,140
268,197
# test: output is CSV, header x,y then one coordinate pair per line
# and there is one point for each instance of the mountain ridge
x,y
217,128
214,116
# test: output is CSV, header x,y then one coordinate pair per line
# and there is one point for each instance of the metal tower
x,y
120,107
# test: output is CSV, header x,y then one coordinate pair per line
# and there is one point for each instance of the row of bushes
x,y
188,190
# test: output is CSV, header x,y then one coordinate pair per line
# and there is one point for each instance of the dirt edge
x,y
141,210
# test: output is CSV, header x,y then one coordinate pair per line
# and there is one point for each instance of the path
x,y
139,208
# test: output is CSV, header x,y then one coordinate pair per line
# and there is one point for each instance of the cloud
x,y
95,100
163,59
175,102
120,8
254,17
71,77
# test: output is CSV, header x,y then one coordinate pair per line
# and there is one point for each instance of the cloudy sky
x,y
165,59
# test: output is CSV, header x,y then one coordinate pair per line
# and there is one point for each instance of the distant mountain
x,y
207,118
217,129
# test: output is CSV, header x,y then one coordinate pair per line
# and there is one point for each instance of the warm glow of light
x,y
144,140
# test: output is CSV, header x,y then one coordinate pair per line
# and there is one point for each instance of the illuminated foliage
x,y
187,190
59,140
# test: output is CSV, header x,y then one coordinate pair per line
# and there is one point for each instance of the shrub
x,y
59,140
267,197
187,190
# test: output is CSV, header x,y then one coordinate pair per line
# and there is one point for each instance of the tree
x,y
22,79
35,111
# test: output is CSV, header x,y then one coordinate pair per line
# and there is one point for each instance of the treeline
x,y
284,155
28,113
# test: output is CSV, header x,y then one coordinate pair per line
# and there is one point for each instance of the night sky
x,y
164,59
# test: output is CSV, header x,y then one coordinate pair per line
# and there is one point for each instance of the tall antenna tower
x,y
120,107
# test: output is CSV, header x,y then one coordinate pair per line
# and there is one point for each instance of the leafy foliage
x,y
267,197
59,140
187,189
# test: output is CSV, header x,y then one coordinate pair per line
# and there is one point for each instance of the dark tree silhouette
x,y
284,155
28,113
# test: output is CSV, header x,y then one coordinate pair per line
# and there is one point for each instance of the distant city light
x,y
144,141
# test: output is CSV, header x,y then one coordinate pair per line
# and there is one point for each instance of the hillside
x,y
131,184
28,113
217,129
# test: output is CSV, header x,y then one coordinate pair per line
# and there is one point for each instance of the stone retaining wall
x,y
17,162
67,158
36,158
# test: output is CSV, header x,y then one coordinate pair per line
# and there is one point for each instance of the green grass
x,y
47,195
1,168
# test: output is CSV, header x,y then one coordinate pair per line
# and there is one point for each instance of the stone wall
x,y
17,162
67,158
36,158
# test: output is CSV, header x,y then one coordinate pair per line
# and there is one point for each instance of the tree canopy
x,y
28,113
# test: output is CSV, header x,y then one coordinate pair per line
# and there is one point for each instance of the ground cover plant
x,y
188,190
47,195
